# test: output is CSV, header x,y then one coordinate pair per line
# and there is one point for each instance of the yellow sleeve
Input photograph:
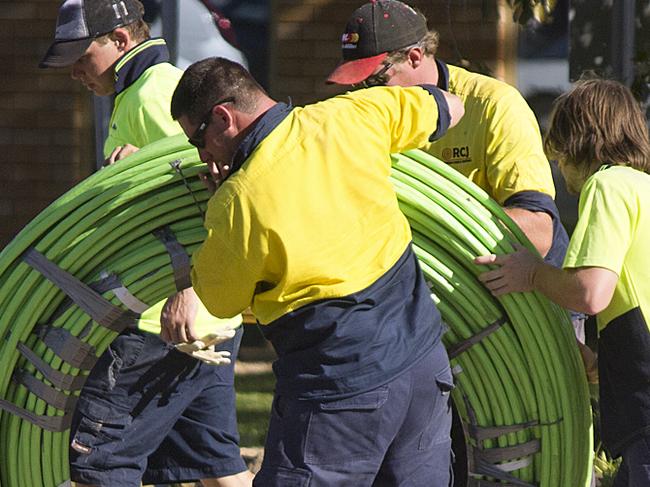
x,y
410,115
605,226
515,156
224,280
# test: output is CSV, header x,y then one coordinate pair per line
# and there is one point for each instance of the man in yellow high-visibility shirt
x,y
497,144
305,229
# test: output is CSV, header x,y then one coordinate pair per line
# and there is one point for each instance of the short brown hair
x,y
207,82
598,122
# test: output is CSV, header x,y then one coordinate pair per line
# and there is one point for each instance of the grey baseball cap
x,y
373,30
81,21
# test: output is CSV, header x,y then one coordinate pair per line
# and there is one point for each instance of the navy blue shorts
x,y
397,434
153,414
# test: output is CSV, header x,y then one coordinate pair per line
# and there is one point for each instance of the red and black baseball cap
x,y
375,29
81,21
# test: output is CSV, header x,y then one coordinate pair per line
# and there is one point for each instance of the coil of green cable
x,y
527,372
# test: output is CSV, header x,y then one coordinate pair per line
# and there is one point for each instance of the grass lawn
x,y
254,396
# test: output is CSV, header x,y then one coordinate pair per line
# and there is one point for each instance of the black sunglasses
x,y
197,139
378,79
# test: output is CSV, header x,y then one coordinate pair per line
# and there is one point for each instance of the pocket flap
x,y
103,413
278,476
445,380
365,401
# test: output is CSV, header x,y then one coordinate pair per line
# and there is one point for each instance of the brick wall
x,y
306,43
46,128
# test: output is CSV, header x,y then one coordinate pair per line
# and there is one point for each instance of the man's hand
x,y
177,317
209,183
217,174
120,152
516,271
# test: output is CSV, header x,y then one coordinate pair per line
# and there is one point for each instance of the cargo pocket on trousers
x,y
439,427
99,426
277,476
124,352
345,430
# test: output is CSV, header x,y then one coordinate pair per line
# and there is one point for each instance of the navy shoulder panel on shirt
x,y
146,54
444,117
542,202
533,201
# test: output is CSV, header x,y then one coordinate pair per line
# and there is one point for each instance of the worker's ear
x,y
415,56
222,117
122,39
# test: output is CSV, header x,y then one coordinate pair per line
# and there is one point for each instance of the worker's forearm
x,y
585,289
560,286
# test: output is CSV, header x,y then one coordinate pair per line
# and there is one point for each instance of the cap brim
x,y
65,53
355,71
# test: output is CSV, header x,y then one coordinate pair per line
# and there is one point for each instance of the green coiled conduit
x,y
527,371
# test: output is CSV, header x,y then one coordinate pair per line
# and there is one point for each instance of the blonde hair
x,y
598,122
429,45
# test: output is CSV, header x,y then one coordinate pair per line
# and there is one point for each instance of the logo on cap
x,y
350,40
120,10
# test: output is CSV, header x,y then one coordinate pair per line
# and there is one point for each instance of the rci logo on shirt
x,y
455,155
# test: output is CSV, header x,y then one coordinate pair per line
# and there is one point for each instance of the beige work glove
x,y
204,348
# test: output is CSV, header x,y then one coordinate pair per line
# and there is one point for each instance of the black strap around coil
x,y
460,347
486,432
55,424
106,284
180,261
505,479
68,347
472,482
507,453
56,377
483,461
99,309
58,399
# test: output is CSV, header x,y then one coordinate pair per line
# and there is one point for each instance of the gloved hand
x,y
204,348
